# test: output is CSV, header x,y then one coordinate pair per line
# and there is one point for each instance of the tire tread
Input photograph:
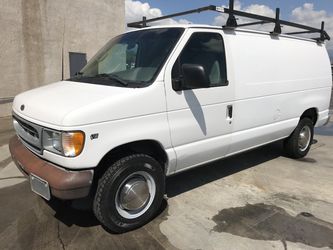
x,y
291,143
110,172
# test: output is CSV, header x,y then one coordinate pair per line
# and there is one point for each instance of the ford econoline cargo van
x,y
157,101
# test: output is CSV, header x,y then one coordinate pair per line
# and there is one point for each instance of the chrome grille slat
x,y
30,133
33,132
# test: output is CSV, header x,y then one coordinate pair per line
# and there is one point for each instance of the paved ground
x,y
256,200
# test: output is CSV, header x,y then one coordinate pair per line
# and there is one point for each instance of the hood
x,y
69,103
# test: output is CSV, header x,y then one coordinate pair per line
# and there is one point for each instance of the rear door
x,y
200,119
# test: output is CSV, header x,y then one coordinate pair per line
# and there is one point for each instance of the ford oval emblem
x,y
22,107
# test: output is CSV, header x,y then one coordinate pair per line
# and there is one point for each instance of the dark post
x,y
144,23
231,22
277,28
322,34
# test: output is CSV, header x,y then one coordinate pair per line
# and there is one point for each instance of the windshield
x,y
134,58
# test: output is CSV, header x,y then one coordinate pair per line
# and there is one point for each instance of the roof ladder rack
x,y
232,21
143,23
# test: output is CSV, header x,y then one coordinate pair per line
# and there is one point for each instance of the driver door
x,y
200,118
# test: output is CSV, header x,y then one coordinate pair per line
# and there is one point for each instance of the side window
x,y
207,50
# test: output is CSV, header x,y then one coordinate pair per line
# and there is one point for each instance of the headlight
x,y
69,144
52,141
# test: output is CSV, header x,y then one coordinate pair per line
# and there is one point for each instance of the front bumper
x,y
64,184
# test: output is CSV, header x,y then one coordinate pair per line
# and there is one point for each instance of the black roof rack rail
x,y
143,23
232,22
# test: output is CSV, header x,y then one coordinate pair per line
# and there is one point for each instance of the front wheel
x,y
130,193
298,144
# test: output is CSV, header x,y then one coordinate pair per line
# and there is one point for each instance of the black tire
x,y
105,207
291,144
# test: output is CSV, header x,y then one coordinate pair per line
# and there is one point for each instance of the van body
x,y
167,98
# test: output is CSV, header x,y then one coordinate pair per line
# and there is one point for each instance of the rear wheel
x,y
130,193
298,144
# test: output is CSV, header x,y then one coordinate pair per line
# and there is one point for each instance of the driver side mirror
x,y
194,77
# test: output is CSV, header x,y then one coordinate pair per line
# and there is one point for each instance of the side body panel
x,y
276,79
272,81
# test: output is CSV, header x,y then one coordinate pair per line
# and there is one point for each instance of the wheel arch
x,y
311,113
152,148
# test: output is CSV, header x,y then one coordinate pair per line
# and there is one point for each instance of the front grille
x,y
29,129
30,133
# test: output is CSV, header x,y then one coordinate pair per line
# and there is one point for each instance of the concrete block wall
x,y
37,36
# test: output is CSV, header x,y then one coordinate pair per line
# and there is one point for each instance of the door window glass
x,y
205,49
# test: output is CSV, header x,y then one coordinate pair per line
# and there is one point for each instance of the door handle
x,y
229,112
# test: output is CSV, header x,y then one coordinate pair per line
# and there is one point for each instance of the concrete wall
x,y
37,36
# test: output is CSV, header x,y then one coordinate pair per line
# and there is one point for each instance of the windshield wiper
x,y
113,77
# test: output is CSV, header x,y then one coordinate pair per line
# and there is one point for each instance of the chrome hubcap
x,y
304,138
135,195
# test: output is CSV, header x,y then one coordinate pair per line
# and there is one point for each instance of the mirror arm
x,y
177,83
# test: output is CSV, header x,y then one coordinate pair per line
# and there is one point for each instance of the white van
x,y
160,100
